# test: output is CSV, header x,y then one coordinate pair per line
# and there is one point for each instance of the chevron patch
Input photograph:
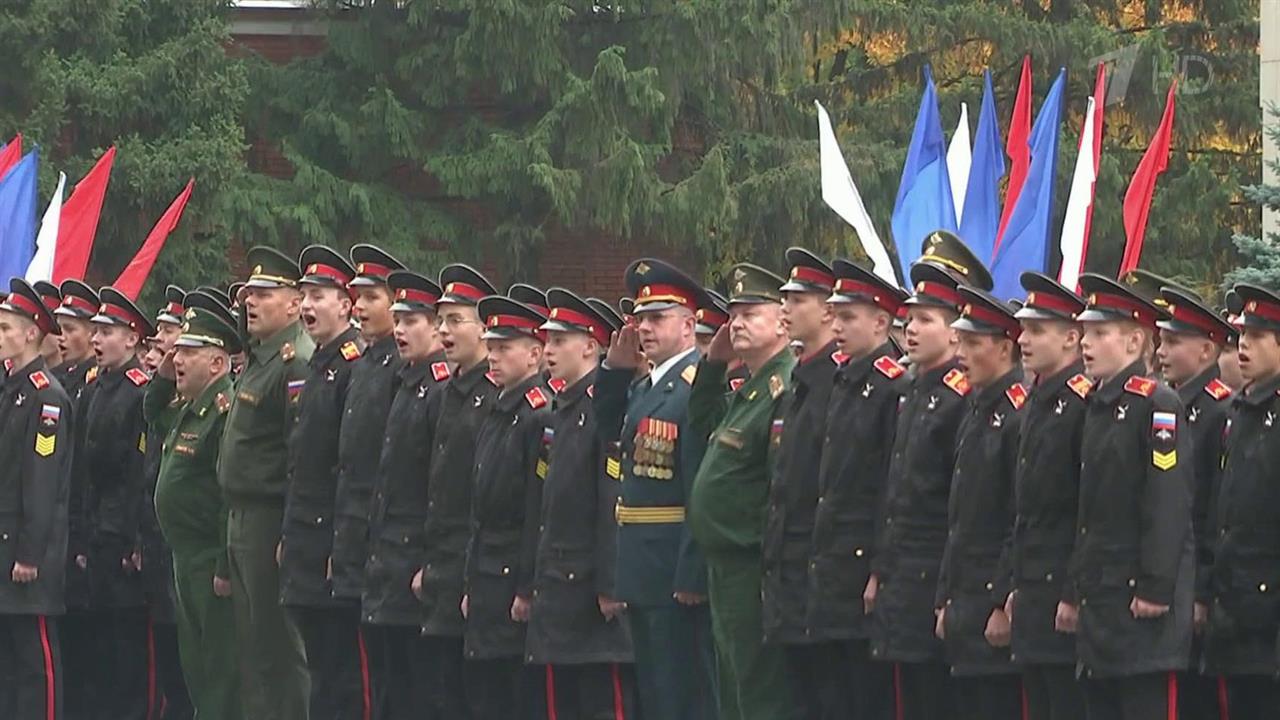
x,y
45,444
613,468
1164,461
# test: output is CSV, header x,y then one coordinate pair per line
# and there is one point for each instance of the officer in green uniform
x,y
730,491
191,394
252,473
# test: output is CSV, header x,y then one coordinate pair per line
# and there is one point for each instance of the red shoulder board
x,y
735,383
956,380
1139,385
492,380
591,390
350,350
91,375
839,358
535,397
440,371
39,379
1017,395
1217,389
1080,385
137,377
557,385
889,367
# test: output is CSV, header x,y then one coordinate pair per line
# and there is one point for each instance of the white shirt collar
x,y
660,371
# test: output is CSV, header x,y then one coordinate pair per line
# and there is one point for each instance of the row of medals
x,y
654,457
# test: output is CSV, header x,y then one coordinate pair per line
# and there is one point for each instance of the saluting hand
x,y
624,349
1144,610
721,348
165,370
23,574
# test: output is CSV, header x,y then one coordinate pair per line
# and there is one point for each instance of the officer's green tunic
x,y
726,514
252,473
193,518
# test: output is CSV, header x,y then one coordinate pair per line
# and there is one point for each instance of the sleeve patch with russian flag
x,y
49,415
775,432
1164,426
295,388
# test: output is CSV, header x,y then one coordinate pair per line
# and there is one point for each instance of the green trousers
x,y
753,681
273,669
206,638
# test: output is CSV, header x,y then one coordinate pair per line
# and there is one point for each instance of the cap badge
x,y
642,269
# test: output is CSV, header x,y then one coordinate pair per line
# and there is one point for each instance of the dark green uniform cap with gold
x,y
945,263
752,285
204,328
1147,285
270,268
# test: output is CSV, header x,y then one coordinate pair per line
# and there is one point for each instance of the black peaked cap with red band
x,y
1259,308
606,311
325,267
49,294
211,299
713,313
174,307
505,319
79,301
372,265
1108,300
658,285
1187,313
411,292
463,285
118,310
25,301
981,312
807,273
856,284
529,295
569,313
1047,299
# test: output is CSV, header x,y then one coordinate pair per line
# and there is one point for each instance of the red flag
x,y
10,155
79,221
1137,199
1099,100
1016,147
134,275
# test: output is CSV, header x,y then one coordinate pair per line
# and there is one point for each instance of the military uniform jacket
x,y
1206,401
464,402
1133,533
115,445
1244,610
972,581
510,467
254,460
400,495
852,475
577,548
1046,498
189,503
35,478
74,377
373,385
157,557
659,459
307,536
731,490
914,532
793,497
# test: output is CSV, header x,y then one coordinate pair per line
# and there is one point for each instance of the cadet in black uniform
x,y
51,298
465,399
793,487
1046,494
972,584
392,615
329,627
1191,339
1133,561
852,475
1244,581
115,444
904,581
35,466
577,635
1229,358
507,478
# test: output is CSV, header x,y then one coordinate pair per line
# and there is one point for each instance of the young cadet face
x,y
76,339
1229,366
1110,346
804,316
166,335
16,333
1259,354
416,335
931,341
114,345
512,360
570,355
859,328
755,326
664,333
51,350
152,358
373,310
985,357
269,310
1048,345
460,330
195,367
1182,356
325,312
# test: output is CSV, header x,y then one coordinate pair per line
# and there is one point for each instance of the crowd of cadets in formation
x,y
345,490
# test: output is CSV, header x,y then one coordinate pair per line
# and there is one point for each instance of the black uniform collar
x,y
1260,393
513,396
71,367
1046,389
935,375
467,381
857,367
1189,390
816,368
109,377
1110,390
19,376
572,393
414,373
325,353
991,394
383,346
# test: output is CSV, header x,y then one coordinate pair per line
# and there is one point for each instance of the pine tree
x,y
1262,254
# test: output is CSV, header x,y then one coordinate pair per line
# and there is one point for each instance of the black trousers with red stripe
x,y
30,668
338,661
400,669
1134,697
592,691
923,691
1251,697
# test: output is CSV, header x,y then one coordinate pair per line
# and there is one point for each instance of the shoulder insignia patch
x,y
1080,385
287,352
689,374
350,351
839,358
492,380
137,377
776,386
440,371
1017,395
956,380
889,367
39,379
1217,389
91,375
223,403
735,383
557,385
1139,385
536,398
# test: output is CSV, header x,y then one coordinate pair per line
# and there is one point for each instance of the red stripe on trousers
x,y
151,670
1224,702
50,688
898,712
551,694
1173,696
366,694
1026,704
618,712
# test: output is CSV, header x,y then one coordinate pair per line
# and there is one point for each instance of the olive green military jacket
x,y
731,489
252,464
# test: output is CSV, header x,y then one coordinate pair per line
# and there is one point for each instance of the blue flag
x,y
1026,239
18,218
981,217
924,201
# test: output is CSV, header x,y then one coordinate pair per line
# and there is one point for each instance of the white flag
x,y
1077,217
41,265
841,195
959,158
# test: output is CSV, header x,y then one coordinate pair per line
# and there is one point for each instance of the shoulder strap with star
x,y
492,380
956,380
889,367
1217,389
137,376
222,402
1141,386
557,385
535,397
349,350
39,379
1080,385
689,374
440,371
1017,395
